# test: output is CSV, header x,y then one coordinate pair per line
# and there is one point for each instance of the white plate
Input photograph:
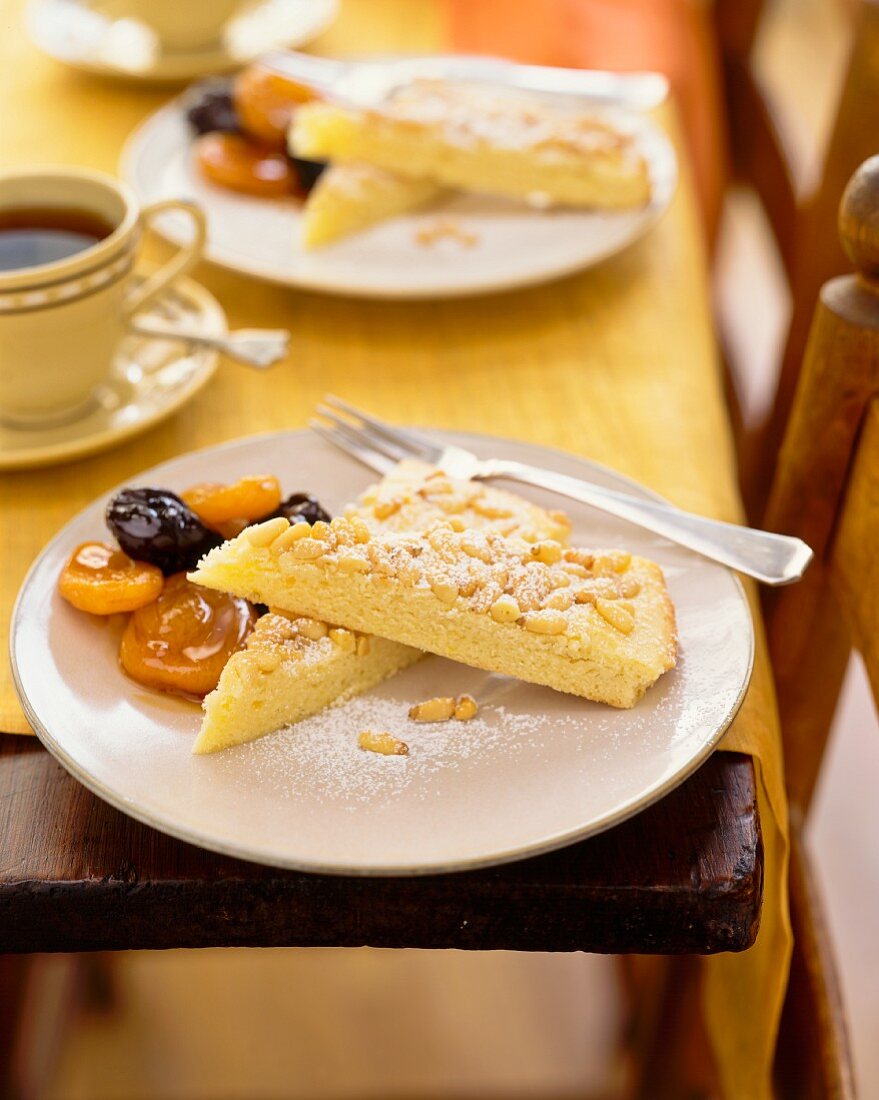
x,y
150,380
94,37
515,245
535,771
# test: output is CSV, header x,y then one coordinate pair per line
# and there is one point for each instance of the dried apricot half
x,y
265,102
239,164
249,499
101,579
182,641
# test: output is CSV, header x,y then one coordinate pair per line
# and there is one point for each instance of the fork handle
x,y
770,558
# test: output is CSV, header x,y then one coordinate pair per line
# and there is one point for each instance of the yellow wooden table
x,y
617,364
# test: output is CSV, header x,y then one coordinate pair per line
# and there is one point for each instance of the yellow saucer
x,y
150,380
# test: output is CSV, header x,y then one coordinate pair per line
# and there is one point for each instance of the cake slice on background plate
x,y
489,142
351,197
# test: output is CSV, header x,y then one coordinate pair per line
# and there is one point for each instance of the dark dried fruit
x,y
302,508
156,526
308,172
210,108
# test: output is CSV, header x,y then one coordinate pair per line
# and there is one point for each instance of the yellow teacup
x,y
61,321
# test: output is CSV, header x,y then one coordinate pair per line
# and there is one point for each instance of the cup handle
x,y
185,259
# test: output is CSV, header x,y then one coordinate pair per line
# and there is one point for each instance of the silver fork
x,y
770,558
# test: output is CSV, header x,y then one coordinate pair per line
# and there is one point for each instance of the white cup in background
x,y
179,25
61,322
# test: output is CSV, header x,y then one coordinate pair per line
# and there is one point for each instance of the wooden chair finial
x,y
859,219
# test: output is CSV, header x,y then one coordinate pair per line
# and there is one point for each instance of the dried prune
x,y
210,109
302,508
308,172
156,526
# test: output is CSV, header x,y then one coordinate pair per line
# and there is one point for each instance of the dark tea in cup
x,y
31,236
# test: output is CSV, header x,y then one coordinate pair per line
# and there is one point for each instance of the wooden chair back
x,y
802,223
817,255
826,490
758,146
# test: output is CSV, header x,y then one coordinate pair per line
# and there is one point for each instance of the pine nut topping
x,y
264,533
629,587
293,533
313,629
549,552
617,616
465,708
444,708
382,509
382,742
505,609
308,549
545,622
351,563
445,591
439,709
321,529
268,659
344,639
561,599
361,531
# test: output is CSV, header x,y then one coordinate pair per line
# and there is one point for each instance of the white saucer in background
x,y
91,38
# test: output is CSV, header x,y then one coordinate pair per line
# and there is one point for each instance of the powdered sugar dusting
x,y
321,754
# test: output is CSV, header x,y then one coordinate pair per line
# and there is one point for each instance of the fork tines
x,y
367,438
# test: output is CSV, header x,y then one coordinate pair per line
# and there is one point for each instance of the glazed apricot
x,y
240,164
101,579
181,642
265,102
249,499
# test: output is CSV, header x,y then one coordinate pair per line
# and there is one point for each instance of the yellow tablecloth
x,y
618,364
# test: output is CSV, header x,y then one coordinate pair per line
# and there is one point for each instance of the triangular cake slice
x,y
293,667
349,198
471,138
594,624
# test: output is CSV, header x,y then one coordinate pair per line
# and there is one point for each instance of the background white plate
x,y
515,245
536,770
